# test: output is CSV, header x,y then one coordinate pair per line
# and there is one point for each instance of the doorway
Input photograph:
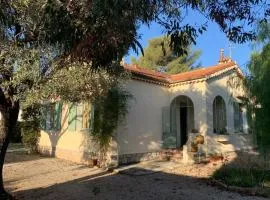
x,y
182,119
183,125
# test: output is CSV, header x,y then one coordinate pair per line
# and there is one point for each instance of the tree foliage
x,y
110,110
159,56
102,31
259,68
93,34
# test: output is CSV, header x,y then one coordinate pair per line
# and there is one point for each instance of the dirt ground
x,y
34,177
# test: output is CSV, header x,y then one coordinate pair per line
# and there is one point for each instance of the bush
x,y
243,177
30,134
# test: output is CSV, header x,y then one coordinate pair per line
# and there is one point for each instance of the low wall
x,y
72,155
228,143
138,157
74,146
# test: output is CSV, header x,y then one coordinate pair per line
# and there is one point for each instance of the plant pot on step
x,y
95,161
194,147
199,139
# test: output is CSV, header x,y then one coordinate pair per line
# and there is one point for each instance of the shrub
x,y
243,177
109,111
30,134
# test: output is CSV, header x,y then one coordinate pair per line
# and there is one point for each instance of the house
x,y
165,112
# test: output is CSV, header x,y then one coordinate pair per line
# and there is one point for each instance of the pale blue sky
x,y
209,43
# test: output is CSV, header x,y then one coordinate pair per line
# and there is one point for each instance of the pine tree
x,y
159,56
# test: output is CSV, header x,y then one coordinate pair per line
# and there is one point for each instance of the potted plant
x,y
94,158
199,139
194,147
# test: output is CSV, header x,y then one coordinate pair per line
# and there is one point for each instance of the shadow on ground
x,y
18,157
132,183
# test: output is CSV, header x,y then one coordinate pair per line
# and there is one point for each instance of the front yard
x,y
34,177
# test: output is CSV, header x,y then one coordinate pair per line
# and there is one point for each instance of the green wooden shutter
x,y
72,117
79,117
57,115
43,112
49,117
168,137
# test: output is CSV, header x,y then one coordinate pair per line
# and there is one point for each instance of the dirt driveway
x,y
33,177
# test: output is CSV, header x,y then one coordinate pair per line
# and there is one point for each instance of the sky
x,y
210,43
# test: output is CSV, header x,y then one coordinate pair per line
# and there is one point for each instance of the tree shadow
x,y
16,157
135,183
55,135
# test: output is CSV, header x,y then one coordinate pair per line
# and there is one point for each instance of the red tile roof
x,y
181,77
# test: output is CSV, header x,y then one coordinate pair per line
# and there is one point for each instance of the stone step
x,y
172,154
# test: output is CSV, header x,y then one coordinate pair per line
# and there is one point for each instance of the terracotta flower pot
x,y
95,162
199,139
194,147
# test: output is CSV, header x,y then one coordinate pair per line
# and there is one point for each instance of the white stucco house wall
x,y
164,112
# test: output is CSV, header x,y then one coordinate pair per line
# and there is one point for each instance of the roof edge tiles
x,y
201,73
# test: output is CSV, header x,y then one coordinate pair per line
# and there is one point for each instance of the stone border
x,y
138,157
164,154
251,191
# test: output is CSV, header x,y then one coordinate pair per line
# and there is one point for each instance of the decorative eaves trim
x,y
168,83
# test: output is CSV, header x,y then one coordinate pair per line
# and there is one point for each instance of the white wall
x,y
142,130
196,92
219,86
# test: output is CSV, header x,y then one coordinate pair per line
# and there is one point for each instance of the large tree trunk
x,y
8,124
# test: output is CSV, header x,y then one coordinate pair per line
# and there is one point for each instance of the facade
x,y
165,111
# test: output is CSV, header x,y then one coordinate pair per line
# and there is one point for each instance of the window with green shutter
x,y
51,116
79,117
168,136
72,115
57,116
43,117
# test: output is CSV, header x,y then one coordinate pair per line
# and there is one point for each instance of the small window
x,y
219,116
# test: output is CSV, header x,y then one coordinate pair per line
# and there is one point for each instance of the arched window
x,y
219,116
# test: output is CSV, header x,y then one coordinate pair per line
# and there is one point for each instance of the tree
x,y
102,31
259,67
159,56
28,78
96,34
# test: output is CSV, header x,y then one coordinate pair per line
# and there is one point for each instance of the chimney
x,y
123,62
221,56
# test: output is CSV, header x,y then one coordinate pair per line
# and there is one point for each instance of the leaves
x,y
259,68
160,57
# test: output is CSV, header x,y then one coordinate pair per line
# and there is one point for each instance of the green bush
x,y
30,134
243,177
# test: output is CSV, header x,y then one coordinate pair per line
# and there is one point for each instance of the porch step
x,y
172,154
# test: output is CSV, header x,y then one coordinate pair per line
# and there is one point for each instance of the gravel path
x,y
33,177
